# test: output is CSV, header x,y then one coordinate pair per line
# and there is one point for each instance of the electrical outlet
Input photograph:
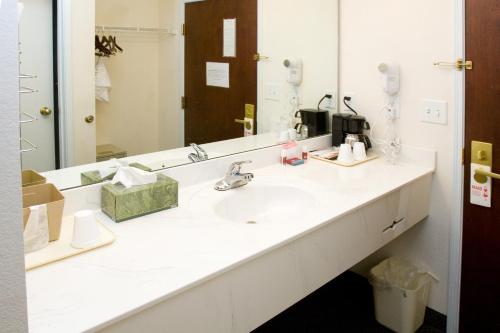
x,y
351,103
434,111
330,103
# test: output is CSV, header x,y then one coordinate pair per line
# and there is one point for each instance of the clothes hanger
x,y
102,50
116,44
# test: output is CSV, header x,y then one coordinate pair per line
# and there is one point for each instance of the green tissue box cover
x,y
123,204
94,177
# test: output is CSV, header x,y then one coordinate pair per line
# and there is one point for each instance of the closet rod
x,y
103,28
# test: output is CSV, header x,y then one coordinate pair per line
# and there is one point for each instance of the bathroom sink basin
x,y
258,202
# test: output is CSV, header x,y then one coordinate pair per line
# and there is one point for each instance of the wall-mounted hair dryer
x,y
294,66
390,78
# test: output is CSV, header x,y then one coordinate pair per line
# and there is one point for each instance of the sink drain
x,y
251,222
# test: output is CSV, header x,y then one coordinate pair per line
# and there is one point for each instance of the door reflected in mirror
x,y
140,81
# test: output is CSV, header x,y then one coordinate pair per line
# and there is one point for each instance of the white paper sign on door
x,y
480,193
218,74
229,47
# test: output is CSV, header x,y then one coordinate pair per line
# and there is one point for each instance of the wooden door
x,y
210,112
480,282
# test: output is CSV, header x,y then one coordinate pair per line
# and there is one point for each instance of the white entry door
x,y
36,47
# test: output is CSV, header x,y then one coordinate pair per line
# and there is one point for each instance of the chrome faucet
x,y
234,178
201,154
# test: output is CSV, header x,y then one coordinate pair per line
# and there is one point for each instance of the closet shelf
x,y
115,29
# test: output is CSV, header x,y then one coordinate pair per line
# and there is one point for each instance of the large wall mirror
x,y
142,80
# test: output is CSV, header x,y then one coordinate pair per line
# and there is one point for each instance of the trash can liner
x,y
398,272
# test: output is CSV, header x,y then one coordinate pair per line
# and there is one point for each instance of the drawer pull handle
x,y
394,223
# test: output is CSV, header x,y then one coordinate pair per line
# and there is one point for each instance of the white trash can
x,y
401,294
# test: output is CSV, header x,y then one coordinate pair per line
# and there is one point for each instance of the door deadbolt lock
x,y
89,119
45,111
259,57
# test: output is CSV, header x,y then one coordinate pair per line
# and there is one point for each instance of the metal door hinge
x,y
463,156
183,102
183,29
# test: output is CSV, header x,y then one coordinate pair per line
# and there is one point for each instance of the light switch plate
x,y
434,111
272,92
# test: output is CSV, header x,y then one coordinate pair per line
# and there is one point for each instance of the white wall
x,y
13,315
300,29
413,34
144,97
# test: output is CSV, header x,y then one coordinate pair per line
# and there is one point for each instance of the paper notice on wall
x,y
229,48
480,191
218,74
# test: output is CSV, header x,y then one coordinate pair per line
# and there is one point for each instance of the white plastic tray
x,y
62,249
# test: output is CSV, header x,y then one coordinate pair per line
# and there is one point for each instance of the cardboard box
x,y
31,177
121,203
45,194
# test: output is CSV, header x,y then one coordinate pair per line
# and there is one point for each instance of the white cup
x,y
292,134
359,151
345,154
86,231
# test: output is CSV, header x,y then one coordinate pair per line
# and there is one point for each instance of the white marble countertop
x,y
161,255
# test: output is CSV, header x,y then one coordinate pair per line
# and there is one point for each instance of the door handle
x,y
486,174
482,155
246,123
45,111
89,119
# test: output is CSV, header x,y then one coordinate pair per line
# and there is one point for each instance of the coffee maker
x,y
349,125
316,121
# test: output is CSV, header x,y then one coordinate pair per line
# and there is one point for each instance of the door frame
x,y
182,20
455,247
64,91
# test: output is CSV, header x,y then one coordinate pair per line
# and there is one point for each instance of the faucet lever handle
x,y
200,152
235,167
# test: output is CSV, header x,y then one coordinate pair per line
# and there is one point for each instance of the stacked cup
x,y
359,151
345,154
348,154
86,231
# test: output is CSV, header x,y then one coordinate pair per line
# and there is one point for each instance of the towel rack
x,y
26,90
31,144
30,117
27,76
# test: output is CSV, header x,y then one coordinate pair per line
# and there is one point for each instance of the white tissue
x,y
36,232
115,164
129,176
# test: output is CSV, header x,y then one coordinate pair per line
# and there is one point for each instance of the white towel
x,y
102,81
36,232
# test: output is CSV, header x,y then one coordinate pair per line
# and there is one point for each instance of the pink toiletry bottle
x,y
305,153
283,157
